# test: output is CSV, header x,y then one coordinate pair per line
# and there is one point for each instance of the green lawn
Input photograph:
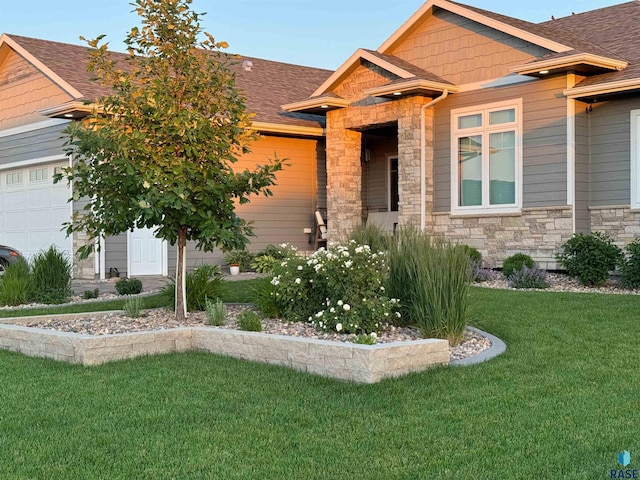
x,y
560,403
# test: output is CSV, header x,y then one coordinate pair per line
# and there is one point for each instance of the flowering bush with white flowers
x,y
339,289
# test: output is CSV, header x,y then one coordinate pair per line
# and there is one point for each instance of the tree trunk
x,y
181,276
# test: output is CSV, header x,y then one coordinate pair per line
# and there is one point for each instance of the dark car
x,y
7,255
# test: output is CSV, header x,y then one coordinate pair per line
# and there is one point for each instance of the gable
x,y
24,90
365,76
460,50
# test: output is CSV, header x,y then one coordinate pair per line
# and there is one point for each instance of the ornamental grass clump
x,y
202,284
340,289
14,283
431,278
51,277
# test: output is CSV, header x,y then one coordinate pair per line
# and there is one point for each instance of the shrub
x,y
242,258
364,339
528,278
431,279
14,283
266,300
201,284
216,312
89,294
132,307
263,263
249,321
631,266
473,253
129,286
339,289
590,257
51,277
516,262
373,235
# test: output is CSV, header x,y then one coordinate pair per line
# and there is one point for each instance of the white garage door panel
x,y
32,213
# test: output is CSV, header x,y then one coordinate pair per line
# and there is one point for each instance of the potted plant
x,y
238,259
234,268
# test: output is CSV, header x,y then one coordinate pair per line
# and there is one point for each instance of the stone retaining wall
x,y
345,361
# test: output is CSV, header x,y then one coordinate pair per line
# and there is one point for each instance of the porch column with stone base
x,y
85,268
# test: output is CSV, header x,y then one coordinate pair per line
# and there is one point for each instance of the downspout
x,y
423,154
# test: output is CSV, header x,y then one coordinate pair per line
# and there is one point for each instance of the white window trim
x,y
457,132
635,158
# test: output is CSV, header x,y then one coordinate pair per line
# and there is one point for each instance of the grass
x,y
560,403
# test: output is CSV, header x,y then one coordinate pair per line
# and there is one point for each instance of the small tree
x,y
158,151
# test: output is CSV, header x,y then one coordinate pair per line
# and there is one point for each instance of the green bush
x,y
631,266
376,237
590,257
431,280
263,263
516,262
473,253
51,277
14,283
201,284
340,289
243,258
89,294
249,321
216,312
266,300
129,286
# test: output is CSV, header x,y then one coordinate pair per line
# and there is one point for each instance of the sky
x,y
306,32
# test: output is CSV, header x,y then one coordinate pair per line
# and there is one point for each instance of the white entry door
x,y
145,253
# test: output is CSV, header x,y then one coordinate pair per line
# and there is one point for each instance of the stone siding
x,y
85,268
538,232
619,222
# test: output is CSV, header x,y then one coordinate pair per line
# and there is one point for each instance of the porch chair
x,y
321,231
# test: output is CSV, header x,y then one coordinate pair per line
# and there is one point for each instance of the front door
x,y
145,253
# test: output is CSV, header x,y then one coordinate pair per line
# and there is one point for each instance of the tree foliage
x,y
159,149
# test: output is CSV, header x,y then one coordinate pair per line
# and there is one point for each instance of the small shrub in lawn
x,y
243,258
51,277
516,262
528,278
431,278
203,283
216,312
263,263
129,286
631,265
473,253
373,235
249,321
132,307
89,294
590,257
14,283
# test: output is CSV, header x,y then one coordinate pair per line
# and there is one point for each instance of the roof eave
x,y
317,105
418,86
582,60
603,89
292,130
75,109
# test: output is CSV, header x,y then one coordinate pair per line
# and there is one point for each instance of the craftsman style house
x,y
495,132
492,131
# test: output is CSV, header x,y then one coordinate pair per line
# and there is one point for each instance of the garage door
x,y
33,209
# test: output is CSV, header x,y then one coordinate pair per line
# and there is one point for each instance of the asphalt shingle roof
x,y
267,86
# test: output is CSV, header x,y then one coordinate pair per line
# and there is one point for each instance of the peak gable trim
x,y
352,62
458,9
11,43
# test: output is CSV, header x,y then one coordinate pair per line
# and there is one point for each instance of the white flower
x,y
332,310
299,267
338,327
373,335
275,281
398,314
381,288
346,307
310,319
348,264
298,281
340,302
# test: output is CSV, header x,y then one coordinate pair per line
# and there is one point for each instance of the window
x,y
38,175
635,158
394,196
14,178
487,158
